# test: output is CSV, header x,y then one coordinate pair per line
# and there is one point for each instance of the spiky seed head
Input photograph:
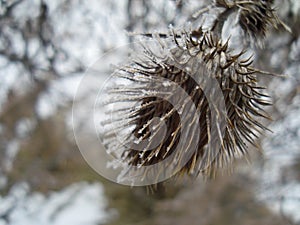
x,y
256,18
240,92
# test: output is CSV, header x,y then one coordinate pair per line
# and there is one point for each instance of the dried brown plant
x,y
189,59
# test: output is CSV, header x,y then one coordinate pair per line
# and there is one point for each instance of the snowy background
x,y
46,48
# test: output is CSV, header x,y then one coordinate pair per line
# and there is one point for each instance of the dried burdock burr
x,y
189,105
189,61
255,17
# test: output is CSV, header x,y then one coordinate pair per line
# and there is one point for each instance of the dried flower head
x,y
255,17
185,126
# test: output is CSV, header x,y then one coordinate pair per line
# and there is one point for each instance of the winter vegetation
x,y
48,47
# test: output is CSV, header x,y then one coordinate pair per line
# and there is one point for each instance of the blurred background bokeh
x,y
46,47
